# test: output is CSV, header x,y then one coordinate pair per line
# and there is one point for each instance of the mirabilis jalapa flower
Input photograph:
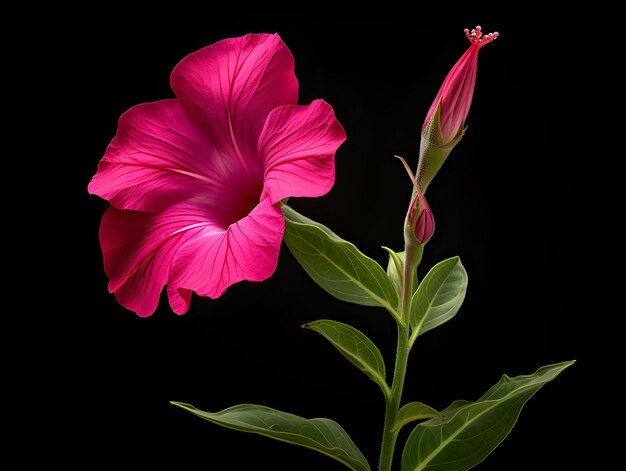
x,y
444,124
195,182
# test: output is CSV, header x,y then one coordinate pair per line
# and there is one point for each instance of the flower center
x,y
476,36
238,202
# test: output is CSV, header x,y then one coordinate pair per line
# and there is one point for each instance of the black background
x,y
501,202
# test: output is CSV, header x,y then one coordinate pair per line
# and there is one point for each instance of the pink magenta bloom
x,y
195,182
455,94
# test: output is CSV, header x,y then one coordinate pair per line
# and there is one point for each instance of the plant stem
x,y
393,403
412,256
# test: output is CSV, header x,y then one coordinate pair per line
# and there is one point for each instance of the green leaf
x,y
414,411
438,297
337,265
356,347
323,435
395,269
473,429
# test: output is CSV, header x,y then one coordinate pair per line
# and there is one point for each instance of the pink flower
x,y
455,94
195,182
421,218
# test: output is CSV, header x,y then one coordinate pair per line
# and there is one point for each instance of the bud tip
x,y
476,36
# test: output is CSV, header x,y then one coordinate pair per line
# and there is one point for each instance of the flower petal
x,y
212,261
455,95
156,159
298,146
139,250
230,87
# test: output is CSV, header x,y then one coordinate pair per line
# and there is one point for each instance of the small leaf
x,y
356,347
323,435
473,429
414,411
438,297
395,269
337,265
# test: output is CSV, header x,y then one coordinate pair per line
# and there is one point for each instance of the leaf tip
x,y
312,325
183,405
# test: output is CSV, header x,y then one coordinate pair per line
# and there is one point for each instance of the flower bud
x,y
421,218
445,120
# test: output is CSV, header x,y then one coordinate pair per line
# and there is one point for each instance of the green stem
x,y
393,403
412,254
